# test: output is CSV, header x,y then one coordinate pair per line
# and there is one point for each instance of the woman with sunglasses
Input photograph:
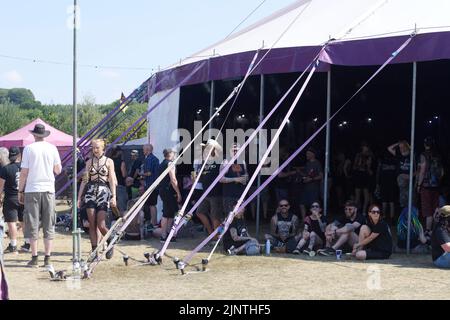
x,y
375,239
313,236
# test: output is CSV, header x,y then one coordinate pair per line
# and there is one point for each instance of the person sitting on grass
x,y
440,239
343,231
283,226
313,236
375,238
237,240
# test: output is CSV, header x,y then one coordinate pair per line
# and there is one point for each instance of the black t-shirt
x,y
118,171
165,184
284,183
234,189
439,237
314,225
388,172
136,165
239,225
343,220
209,174
403,162
11,173
383,242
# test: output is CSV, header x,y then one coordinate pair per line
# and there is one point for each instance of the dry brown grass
x,y
238,277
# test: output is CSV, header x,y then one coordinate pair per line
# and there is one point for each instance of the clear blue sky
x,y
133,33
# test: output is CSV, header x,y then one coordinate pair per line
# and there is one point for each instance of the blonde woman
x,y
100,183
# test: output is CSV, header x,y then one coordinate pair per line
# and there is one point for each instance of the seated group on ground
x,y
353,233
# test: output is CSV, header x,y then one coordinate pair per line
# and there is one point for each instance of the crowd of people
x,y
298,225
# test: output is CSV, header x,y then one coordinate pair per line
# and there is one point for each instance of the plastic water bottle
x,y
267,247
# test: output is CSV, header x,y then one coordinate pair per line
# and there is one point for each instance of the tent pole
x,y
211,105
411,156
76,254
327,145
261,116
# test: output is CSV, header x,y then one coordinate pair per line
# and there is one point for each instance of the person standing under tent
x,y
234,181
284,178
363,175
428,182
12,209
133,174
169,193
386,181
40,164
440,239
210,211
151,166
100,183
312,179
375,238
402,152
120,171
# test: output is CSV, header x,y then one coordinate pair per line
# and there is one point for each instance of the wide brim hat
x,y
39,131
212,143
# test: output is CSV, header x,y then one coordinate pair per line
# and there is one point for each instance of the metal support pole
x,y
411,156
261,115
327,145
211,105
76,254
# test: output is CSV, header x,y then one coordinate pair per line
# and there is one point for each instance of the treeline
x,y
19,107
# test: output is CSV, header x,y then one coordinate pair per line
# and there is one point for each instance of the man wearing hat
x,y
40,164
211,207
440,239
12,209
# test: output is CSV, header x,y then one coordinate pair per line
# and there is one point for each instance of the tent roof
x,y
23,137
366,32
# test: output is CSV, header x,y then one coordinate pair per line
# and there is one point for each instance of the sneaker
x,y
309,252
296,251
231,251
327,252
33,263
11,249
25,247
162,239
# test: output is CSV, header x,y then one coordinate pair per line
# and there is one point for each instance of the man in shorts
x,y
12,209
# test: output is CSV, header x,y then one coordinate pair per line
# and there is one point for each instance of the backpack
x,y
402,225
434,171
134,230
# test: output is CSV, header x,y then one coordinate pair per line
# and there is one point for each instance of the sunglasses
x,y
284,205
375,211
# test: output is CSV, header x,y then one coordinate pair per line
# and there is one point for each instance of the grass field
x,y
277,276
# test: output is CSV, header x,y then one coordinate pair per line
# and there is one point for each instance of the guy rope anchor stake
x,y
176,261
204,264
157,258
181,266
125,259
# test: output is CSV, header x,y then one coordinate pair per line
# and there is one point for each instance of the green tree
x,y
21,96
